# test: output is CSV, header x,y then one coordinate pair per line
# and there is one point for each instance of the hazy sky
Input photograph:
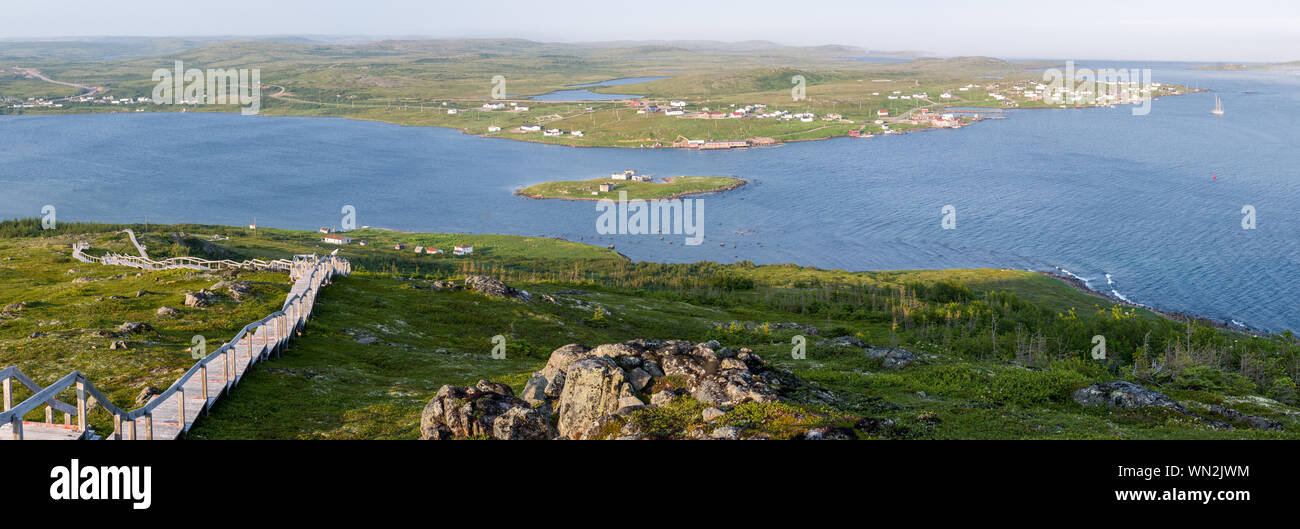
x,y
1196,30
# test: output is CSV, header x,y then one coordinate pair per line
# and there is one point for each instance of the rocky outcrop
x,y
168,312
146,394
492,286
239,290
1127,395
585,392
890,358
708,372
1124,395
594,388
198,299
842,341
1253,421
484,409
132,327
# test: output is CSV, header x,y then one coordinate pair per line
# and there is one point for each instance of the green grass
x,y
672,187
974,381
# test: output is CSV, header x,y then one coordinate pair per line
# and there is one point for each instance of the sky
x,y
1186,30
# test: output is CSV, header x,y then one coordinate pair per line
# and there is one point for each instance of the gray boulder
x,y
238,289
842,341
198,299
492,286
146,394
473,411
891,358
1254,421
1124,395
522,423
132,327
592,389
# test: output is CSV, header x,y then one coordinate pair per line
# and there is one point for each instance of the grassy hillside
x,y
418,82
1001,349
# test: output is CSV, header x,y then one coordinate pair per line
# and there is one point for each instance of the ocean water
x,y
1147,207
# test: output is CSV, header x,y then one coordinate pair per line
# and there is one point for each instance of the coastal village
x,y
888,110
904,110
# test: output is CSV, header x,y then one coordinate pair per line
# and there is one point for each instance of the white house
x,y
676,103
494,128
530,128
452,111
336,239
463,250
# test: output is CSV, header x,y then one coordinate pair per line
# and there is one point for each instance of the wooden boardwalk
x,y
172,413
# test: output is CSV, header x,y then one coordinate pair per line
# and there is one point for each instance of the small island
x,y
636,186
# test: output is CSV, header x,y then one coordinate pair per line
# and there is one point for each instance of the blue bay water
x,y
1154,201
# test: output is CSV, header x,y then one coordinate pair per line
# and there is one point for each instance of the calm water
x,y
1097,191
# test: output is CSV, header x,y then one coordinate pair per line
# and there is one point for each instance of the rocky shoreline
x,y
1080,286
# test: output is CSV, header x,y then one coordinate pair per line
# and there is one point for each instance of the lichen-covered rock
x,y
592,389
132,327
1254,421
145,394
168,312
471,411
842,341
588,393
492,286
238,289
522,423
891,358
198,299
1124,394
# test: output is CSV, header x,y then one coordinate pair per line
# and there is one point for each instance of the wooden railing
x,y
193,263
256,341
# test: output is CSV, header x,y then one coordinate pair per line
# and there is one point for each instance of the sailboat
x,y
1218,106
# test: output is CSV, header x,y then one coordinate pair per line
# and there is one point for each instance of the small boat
x,y
1218,106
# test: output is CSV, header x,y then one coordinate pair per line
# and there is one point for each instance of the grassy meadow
x,y
1001,349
